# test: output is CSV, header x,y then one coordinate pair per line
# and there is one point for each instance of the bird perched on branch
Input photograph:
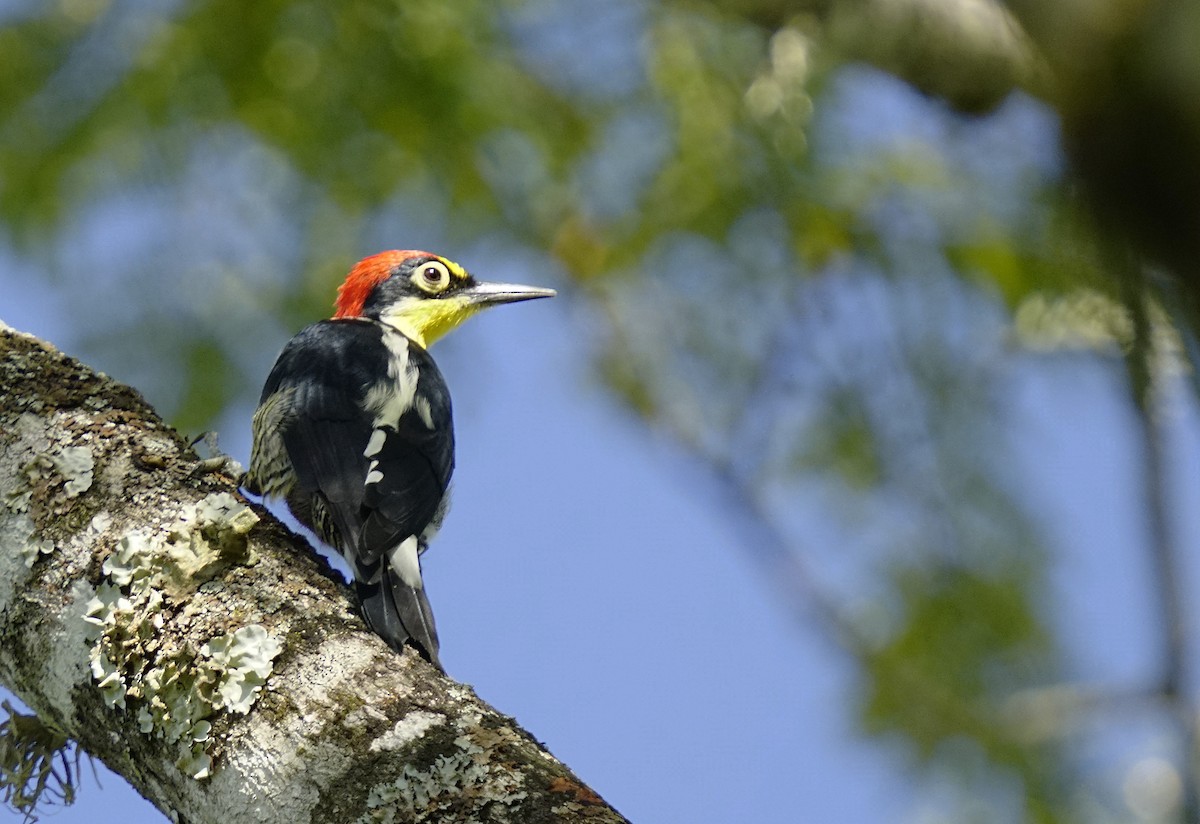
x,y
354,428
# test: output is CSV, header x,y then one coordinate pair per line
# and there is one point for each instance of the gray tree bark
x,y
197,647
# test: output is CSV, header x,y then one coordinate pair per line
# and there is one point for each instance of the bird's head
x,y
422,295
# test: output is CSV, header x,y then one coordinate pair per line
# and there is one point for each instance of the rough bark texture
x,y
201,650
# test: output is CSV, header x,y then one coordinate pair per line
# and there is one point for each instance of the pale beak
x,y
493,294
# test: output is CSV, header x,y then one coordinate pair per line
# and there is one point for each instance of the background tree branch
x,y
972,53
204,652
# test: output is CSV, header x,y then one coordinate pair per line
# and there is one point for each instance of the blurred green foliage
x,y
807,275
966,634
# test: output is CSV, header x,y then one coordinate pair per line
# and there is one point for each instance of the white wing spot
x,y
425,413
375,444
374,476
404,562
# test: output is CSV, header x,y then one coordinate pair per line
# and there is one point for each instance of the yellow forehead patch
x,y
456,271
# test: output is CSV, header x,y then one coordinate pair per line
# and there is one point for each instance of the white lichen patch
x,y
222,507
407,730
175,695
134,562
32,547
75,465
17,500
197,763
109,680
467,779
99,524
245,657
205,537
17,529
72,464
19,549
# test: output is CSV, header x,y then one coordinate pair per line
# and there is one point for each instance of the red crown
x,y
365,276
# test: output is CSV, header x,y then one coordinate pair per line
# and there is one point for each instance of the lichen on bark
x,y
175,695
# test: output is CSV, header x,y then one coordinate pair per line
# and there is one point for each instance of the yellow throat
x,y
424,320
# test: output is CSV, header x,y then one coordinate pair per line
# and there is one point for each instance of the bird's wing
x,y
322,372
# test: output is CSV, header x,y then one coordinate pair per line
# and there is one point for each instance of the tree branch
x,y
1142,368
201,650
1126,84
972,53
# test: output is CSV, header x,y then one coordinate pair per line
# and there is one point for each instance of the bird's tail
x,y
399,613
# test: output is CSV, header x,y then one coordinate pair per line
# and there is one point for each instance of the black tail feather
x,y
400,614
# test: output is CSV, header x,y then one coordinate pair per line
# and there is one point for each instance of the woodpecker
x,y
354,428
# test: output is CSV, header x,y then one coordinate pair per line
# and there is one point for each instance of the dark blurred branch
x,y
1177,303
1142,366
971,53
1127,87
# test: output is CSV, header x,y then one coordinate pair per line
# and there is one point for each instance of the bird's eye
x,y
432,276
